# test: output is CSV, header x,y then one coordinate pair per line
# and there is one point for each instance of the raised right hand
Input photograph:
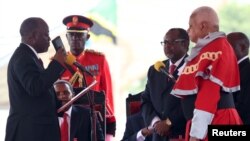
x,y
60,56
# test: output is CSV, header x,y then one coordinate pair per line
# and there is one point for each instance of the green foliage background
x,y
235,17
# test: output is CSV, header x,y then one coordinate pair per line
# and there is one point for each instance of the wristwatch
x,y
168,122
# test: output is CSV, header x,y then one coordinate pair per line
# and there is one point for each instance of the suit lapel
x,y
73,124
165,82
244,67
168,84
177,68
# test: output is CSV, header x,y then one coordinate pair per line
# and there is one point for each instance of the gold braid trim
x,y
73,79
80,79
77,31
212,56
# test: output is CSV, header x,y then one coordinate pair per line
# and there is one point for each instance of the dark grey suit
x,y
242,99
32,115
157,101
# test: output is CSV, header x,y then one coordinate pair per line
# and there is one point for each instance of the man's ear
x,y
204,25
204,28
242,47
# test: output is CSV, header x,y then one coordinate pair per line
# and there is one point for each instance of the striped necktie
x,y
172,68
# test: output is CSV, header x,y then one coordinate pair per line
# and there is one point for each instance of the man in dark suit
x,y
32,115
161,111
240,43
79,118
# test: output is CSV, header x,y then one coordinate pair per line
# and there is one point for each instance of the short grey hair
x,y
61,81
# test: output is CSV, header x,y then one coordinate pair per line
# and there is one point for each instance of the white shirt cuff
x,y
200,122
154,120
139,136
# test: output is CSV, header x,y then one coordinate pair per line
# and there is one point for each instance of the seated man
x,y
136,129
76,120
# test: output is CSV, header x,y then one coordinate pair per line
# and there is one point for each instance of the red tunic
x,y
97,64
211,67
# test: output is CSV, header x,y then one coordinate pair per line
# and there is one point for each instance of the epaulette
x,y
94,52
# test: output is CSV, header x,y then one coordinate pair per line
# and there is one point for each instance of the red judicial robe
x,y
211,69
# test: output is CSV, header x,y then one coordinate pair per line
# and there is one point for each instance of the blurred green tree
x,y
234,16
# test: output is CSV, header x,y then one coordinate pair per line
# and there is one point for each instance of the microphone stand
x,y
91,98
91,103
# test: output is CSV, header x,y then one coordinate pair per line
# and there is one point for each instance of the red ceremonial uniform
x,y
211,69
95,63
78,28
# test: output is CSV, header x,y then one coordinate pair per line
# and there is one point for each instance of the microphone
x,y
57,43
71,60
161,67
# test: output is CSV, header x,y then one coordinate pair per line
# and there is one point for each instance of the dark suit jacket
x,y
32,115
134,124
242,99
81,125
157,101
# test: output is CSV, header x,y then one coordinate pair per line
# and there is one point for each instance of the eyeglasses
x,y
173,43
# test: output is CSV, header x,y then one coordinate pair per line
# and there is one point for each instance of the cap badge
x,y
75,20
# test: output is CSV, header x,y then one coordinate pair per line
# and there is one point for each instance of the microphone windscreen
x,y
159,65
70,59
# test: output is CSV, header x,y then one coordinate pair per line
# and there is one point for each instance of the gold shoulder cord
x,y
73,79
80,80
77,76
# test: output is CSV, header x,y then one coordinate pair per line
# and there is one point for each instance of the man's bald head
x,y
35,32
208,15
202,21
30,25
